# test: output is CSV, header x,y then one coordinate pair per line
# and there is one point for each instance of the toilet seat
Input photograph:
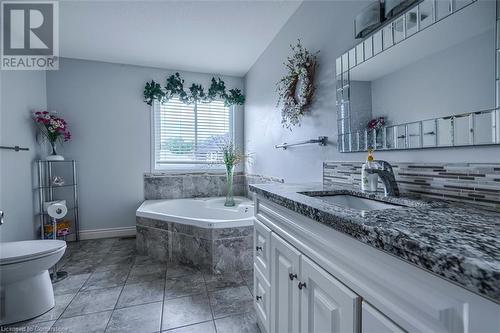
x,y
15,252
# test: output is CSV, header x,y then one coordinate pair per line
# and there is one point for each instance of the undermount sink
x,y
354,202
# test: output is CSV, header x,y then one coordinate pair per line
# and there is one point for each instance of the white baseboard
x,y
107,233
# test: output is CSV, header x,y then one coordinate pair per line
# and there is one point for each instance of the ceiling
x,y
220,37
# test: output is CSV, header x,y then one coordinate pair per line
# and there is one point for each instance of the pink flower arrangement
x,y
52,126
376,123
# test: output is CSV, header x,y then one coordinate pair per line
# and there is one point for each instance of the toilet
x,y
25,287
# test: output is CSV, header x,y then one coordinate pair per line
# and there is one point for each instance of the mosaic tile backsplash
x,y
463,182
194,185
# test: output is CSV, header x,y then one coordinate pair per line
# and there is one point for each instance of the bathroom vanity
x,y
402,265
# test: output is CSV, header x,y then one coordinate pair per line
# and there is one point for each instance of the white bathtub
x,y
200,212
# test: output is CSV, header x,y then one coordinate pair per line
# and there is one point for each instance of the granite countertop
x,y
455,241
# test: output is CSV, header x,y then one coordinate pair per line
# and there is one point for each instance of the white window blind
x,y
190,134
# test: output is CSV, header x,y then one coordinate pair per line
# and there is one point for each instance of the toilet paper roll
x,y
57,210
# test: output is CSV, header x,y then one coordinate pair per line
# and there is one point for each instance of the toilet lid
x,y
11,252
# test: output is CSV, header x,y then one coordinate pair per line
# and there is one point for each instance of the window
x,y
190,136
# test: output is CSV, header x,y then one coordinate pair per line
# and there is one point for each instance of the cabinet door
x,y
285,261
326,304
373,321
262,240
262,299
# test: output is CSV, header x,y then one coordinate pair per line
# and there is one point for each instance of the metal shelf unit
x,y
48,191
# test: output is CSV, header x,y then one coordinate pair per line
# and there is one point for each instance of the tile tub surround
x,y
474,183
455,241
193,185
210,250
150,300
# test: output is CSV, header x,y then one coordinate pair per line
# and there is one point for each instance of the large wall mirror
x,y
428,78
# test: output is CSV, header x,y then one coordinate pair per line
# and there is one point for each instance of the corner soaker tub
x,y
200,212
198,232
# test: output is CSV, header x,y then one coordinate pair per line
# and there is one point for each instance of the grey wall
x,y
22,92
326,26
110,124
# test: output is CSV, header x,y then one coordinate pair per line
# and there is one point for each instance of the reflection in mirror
x,y
429,133
417,72
462,130
377,43
445,132
414,131
412,21
359,54
426,11
368,43
352,58
345,62
401,137
484,127
387,36
390,137
443,9
362,141
398,27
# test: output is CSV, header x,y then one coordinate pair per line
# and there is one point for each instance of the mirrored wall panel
x,y
428,78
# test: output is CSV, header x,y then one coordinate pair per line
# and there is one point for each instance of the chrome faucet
x,y
386,174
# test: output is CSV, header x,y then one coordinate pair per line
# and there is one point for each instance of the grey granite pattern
x,y
455,241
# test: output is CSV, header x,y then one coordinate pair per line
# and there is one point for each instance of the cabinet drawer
x,y
262,243
262,294
373,321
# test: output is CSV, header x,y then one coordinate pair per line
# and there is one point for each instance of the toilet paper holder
x,y
46,204
56,210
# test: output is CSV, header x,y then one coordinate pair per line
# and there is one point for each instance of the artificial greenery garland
x,y
296,88
175,87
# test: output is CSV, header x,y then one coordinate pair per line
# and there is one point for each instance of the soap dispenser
x,y
369,181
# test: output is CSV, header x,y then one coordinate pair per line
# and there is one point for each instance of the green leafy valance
x,y
175,87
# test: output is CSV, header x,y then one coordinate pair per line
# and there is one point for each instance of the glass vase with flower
x,y
231,157
54,129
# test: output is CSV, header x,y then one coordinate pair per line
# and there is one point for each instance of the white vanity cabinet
x,y
305,297
310,278
285,268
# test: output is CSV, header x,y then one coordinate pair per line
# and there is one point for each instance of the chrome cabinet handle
x,y
301,285
292,276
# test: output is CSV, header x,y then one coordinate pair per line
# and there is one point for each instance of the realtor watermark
x,y
30,35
